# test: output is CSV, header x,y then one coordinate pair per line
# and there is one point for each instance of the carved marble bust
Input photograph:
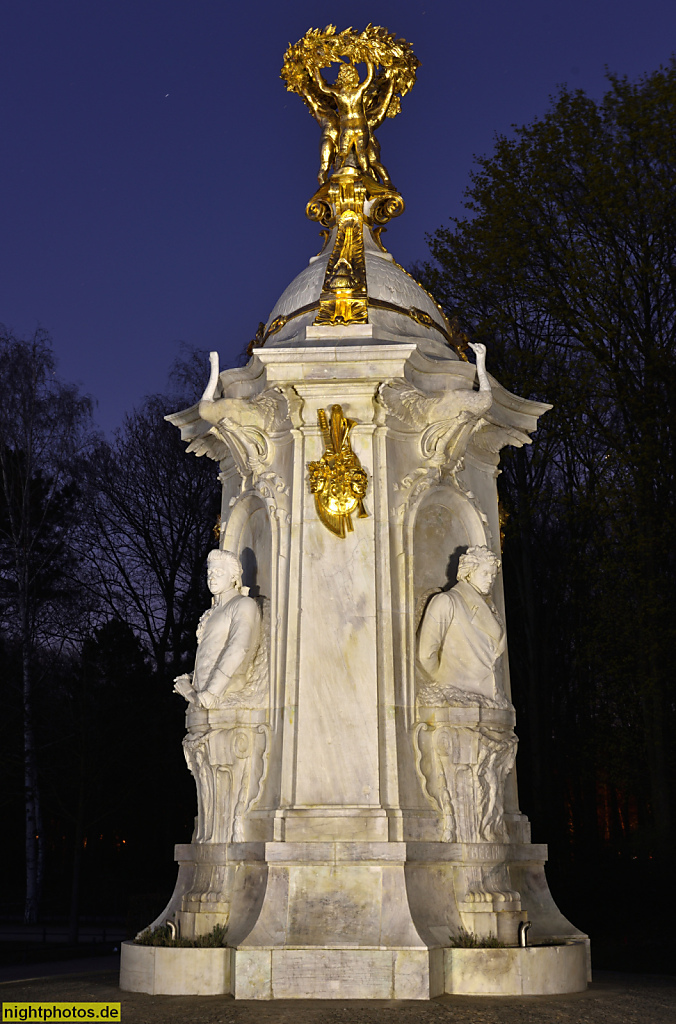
x,y
462,637
228,638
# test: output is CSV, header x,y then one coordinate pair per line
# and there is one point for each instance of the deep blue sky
x,y
154,170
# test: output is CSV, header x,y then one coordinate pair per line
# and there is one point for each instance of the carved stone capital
x,y
224,425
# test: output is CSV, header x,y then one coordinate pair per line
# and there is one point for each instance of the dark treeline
x,y
565,267
102,553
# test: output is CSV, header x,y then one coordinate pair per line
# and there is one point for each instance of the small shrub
x,y
216,937
162,937
468,940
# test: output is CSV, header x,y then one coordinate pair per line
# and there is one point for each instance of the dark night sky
x,y
155,171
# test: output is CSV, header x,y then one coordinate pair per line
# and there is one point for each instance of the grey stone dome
x,y
387,283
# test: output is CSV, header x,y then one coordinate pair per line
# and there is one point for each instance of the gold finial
x,y
337,480
350,172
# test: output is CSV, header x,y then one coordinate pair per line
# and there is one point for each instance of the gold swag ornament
x,y
337,480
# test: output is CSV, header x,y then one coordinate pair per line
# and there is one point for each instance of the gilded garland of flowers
x,y
319,48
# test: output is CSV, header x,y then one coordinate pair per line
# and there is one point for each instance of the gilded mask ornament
x,y
337,480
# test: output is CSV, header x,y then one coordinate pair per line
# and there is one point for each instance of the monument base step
x,y
340,973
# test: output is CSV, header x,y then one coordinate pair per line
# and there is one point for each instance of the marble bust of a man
x,y
462,636
228,636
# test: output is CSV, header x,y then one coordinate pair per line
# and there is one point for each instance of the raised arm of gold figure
x,y
382,103
380,99
324,112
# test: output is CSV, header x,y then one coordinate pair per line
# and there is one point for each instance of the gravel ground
x,y
611,999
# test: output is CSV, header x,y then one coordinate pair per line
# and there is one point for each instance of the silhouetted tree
x,y
154,511
44,433
565,265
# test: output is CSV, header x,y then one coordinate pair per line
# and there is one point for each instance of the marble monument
x,y
349,723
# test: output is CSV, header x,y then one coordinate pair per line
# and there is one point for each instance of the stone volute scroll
x,y
446,421
241,427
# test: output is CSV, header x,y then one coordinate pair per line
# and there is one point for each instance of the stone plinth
x,y
535,971
320,973
161,970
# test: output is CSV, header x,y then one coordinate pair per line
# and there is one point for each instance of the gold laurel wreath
x,y
320,48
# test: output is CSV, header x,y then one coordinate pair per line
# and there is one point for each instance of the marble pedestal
x,y
357,920
346,847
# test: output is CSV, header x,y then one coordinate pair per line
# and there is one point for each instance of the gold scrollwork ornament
x,y
337,480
